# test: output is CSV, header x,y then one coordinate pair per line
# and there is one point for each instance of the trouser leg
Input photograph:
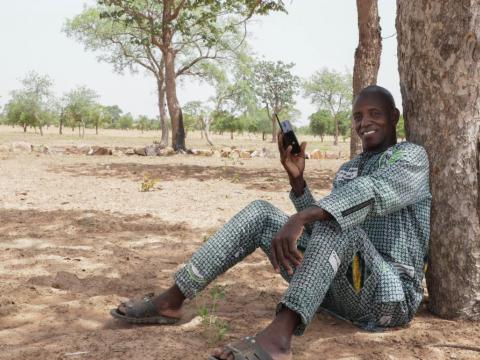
x,y
253,227
327,267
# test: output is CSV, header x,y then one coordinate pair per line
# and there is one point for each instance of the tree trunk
x,y
178,130
439,65
61,125
263,135
367,57
335,135
162,112
41,130
24,128
231,135
206,130
96,128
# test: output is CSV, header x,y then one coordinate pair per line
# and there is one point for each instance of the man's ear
x,y
395,117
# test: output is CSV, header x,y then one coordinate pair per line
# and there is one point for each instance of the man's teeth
x,y
369,132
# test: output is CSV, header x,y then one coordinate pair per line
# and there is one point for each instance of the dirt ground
x,y
77,236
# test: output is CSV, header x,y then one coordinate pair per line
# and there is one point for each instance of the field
x,y
77,236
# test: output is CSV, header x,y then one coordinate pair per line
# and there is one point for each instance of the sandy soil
x,y
77,236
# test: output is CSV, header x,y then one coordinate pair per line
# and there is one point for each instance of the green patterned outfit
x,y
366,265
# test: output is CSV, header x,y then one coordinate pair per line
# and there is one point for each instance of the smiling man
x,y
358,253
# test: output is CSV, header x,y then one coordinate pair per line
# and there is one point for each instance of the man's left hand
x,y
284,245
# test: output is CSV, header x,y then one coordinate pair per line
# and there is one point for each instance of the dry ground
x,y
77,236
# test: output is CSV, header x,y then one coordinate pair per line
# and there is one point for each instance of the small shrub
x,y
148,183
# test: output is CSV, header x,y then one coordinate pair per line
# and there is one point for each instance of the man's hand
x,y
293,164
284,245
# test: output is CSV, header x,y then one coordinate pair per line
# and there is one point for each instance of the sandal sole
x,y
159,320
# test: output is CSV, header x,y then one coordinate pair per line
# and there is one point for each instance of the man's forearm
x,y
312,214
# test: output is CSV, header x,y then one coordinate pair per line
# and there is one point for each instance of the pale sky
x,y
314,34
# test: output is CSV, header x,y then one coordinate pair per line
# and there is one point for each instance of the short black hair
x,y
383,93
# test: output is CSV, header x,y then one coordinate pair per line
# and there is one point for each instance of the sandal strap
x,y
248,349
141,308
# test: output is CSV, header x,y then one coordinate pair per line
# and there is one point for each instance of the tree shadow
x,y
258,179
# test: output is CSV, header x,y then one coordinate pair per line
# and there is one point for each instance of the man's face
x,y
373,122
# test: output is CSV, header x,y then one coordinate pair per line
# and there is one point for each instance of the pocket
x,y
389,287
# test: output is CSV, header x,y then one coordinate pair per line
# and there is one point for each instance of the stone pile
x,y
157,150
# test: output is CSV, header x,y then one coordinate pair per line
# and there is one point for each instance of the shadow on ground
x,y
257,179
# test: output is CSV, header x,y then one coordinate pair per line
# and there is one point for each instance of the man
x,y
358,252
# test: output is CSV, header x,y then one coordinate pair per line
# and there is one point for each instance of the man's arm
x,y
394,186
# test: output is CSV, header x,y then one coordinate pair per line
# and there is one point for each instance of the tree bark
x,y
60,131
162,112
367,57
439,65
335,134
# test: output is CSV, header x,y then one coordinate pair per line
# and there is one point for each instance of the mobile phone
x,y
289,137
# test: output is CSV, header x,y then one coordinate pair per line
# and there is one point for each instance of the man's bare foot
x,y
275,340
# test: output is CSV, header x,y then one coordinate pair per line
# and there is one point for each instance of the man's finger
x,y
283,260
274,256
295,253
303,147
286,252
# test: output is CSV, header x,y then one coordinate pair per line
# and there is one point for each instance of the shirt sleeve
x,y
304,201
399,182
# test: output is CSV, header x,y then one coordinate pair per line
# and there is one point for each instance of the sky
x,y
313,35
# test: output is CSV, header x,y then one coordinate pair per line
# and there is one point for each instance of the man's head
x,y
375,118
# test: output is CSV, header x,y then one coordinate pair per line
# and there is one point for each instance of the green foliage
x,y
321,123
125,122
224,121
401,128
215,329
148,183
275,85
331,91
32,104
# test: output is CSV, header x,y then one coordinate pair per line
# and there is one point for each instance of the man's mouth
x,y
370,132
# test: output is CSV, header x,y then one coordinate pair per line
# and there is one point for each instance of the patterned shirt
x,y
387,194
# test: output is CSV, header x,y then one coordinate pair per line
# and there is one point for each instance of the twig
x,y
458,346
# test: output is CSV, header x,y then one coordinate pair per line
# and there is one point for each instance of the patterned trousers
x,y
340,271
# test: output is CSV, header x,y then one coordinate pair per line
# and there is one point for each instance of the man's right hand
x,y
294,164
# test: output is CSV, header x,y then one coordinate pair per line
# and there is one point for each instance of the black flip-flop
x,y
247,349
142,312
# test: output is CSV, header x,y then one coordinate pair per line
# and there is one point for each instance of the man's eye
x,y
376,114
357,118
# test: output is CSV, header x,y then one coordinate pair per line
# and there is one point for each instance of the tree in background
x,y
125,122
121,44
198,30
438,54
197,114
367,57
30,106
225,121
401,128
114,114
276,87
321,123
79,104
332,91
99,116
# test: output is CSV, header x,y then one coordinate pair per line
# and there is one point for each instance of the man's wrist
x,y
313,213
298,185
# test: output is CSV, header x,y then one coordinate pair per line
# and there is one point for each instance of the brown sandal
x,y
247,349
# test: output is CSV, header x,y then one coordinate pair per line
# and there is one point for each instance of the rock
x,y
166,151
217,153
129,151
235,154
140,151
98,150
43,149
317,155
116,152
225,152
245,155
151,150
5,148
203,152
82,149
331,155
21,146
